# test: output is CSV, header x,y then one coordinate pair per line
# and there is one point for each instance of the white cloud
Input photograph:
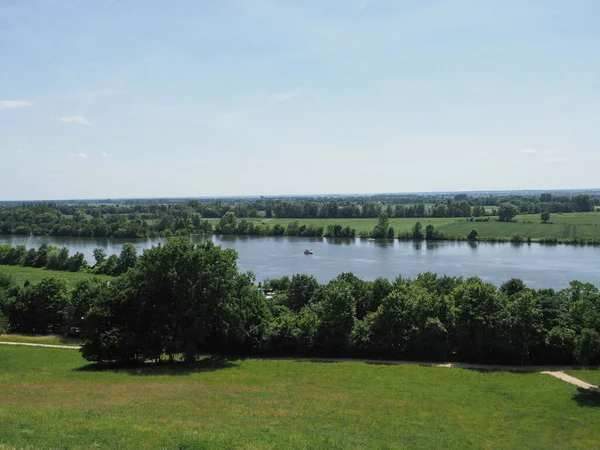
x,y
80,120
529,150
21,150
558,159
268,100
91,95
104,155
49,148
80,155
279,97
6,104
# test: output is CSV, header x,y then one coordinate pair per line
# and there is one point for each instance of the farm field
x,y
563,226
52,398
20,274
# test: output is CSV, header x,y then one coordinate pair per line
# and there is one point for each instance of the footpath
x,y
555,371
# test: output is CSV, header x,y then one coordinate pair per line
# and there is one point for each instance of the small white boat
x,y
308,252
370,240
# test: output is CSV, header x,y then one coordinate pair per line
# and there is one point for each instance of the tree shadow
x,y
588,398
177,368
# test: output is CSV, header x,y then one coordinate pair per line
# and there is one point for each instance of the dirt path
x,y
554,371
572,380
76,347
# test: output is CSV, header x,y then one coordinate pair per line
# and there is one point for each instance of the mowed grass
x,y
20,274
587,375
48,339
51,398
562,226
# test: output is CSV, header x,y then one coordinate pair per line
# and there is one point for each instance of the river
x,y
548,266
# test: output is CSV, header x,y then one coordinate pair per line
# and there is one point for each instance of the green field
x,y
48,339
563,226
589,376
20,274
51,398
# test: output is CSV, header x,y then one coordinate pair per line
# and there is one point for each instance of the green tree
x,y
41,308
525,324
127,259
416,232
390,233
99,256
227,224
545,217
301,291
480,320
179,299
507,212
76,262
337,316
473,235
380,231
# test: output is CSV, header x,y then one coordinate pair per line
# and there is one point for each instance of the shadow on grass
x,y
589,398
208,364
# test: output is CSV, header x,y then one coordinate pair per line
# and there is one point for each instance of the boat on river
x,y
308,252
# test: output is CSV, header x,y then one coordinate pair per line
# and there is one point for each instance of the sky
x,y
125,98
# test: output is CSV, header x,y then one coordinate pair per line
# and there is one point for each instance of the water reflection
x,y
271,257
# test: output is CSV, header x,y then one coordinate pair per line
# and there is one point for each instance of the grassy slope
x,y
34,275
575,225
47,339
589,376
46,400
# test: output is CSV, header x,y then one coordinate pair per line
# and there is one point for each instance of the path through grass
x,y
53,398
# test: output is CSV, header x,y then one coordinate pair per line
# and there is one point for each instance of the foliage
x,y
185,299
507,212
138,218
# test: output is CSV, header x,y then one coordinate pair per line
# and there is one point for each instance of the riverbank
x,y
543,266
572,228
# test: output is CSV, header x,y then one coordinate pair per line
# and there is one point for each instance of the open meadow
x,y
53,398
21,274
561,226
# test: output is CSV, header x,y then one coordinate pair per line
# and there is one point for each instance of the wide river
x,y
269,257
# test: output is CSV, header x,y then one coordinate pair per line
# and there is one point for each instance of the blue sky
x,y
145,98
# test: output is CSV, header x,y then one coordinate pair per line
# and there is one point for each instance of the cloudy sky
x,y
241,97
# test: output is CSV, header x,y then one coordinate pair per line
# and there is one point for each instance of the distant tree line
x,y
147,219
54,258
181,301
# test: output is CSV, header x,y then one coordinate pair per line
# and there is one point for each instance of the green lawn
x,y
589,376
21,274
563,226
51,398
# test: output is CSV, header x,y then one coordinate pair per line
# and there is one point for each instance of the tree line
x,y
181,301
147,219
54,258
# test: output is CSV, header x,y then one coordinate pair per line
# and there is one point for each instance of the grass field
x,y
21,274
563,226
590,376
52,398
49,339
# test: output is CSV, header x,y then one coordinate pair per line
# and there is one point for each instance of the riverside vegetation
x,y
181,301
546,218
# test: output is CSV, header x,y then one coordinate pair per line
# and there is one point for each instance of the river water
x,y
269,257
